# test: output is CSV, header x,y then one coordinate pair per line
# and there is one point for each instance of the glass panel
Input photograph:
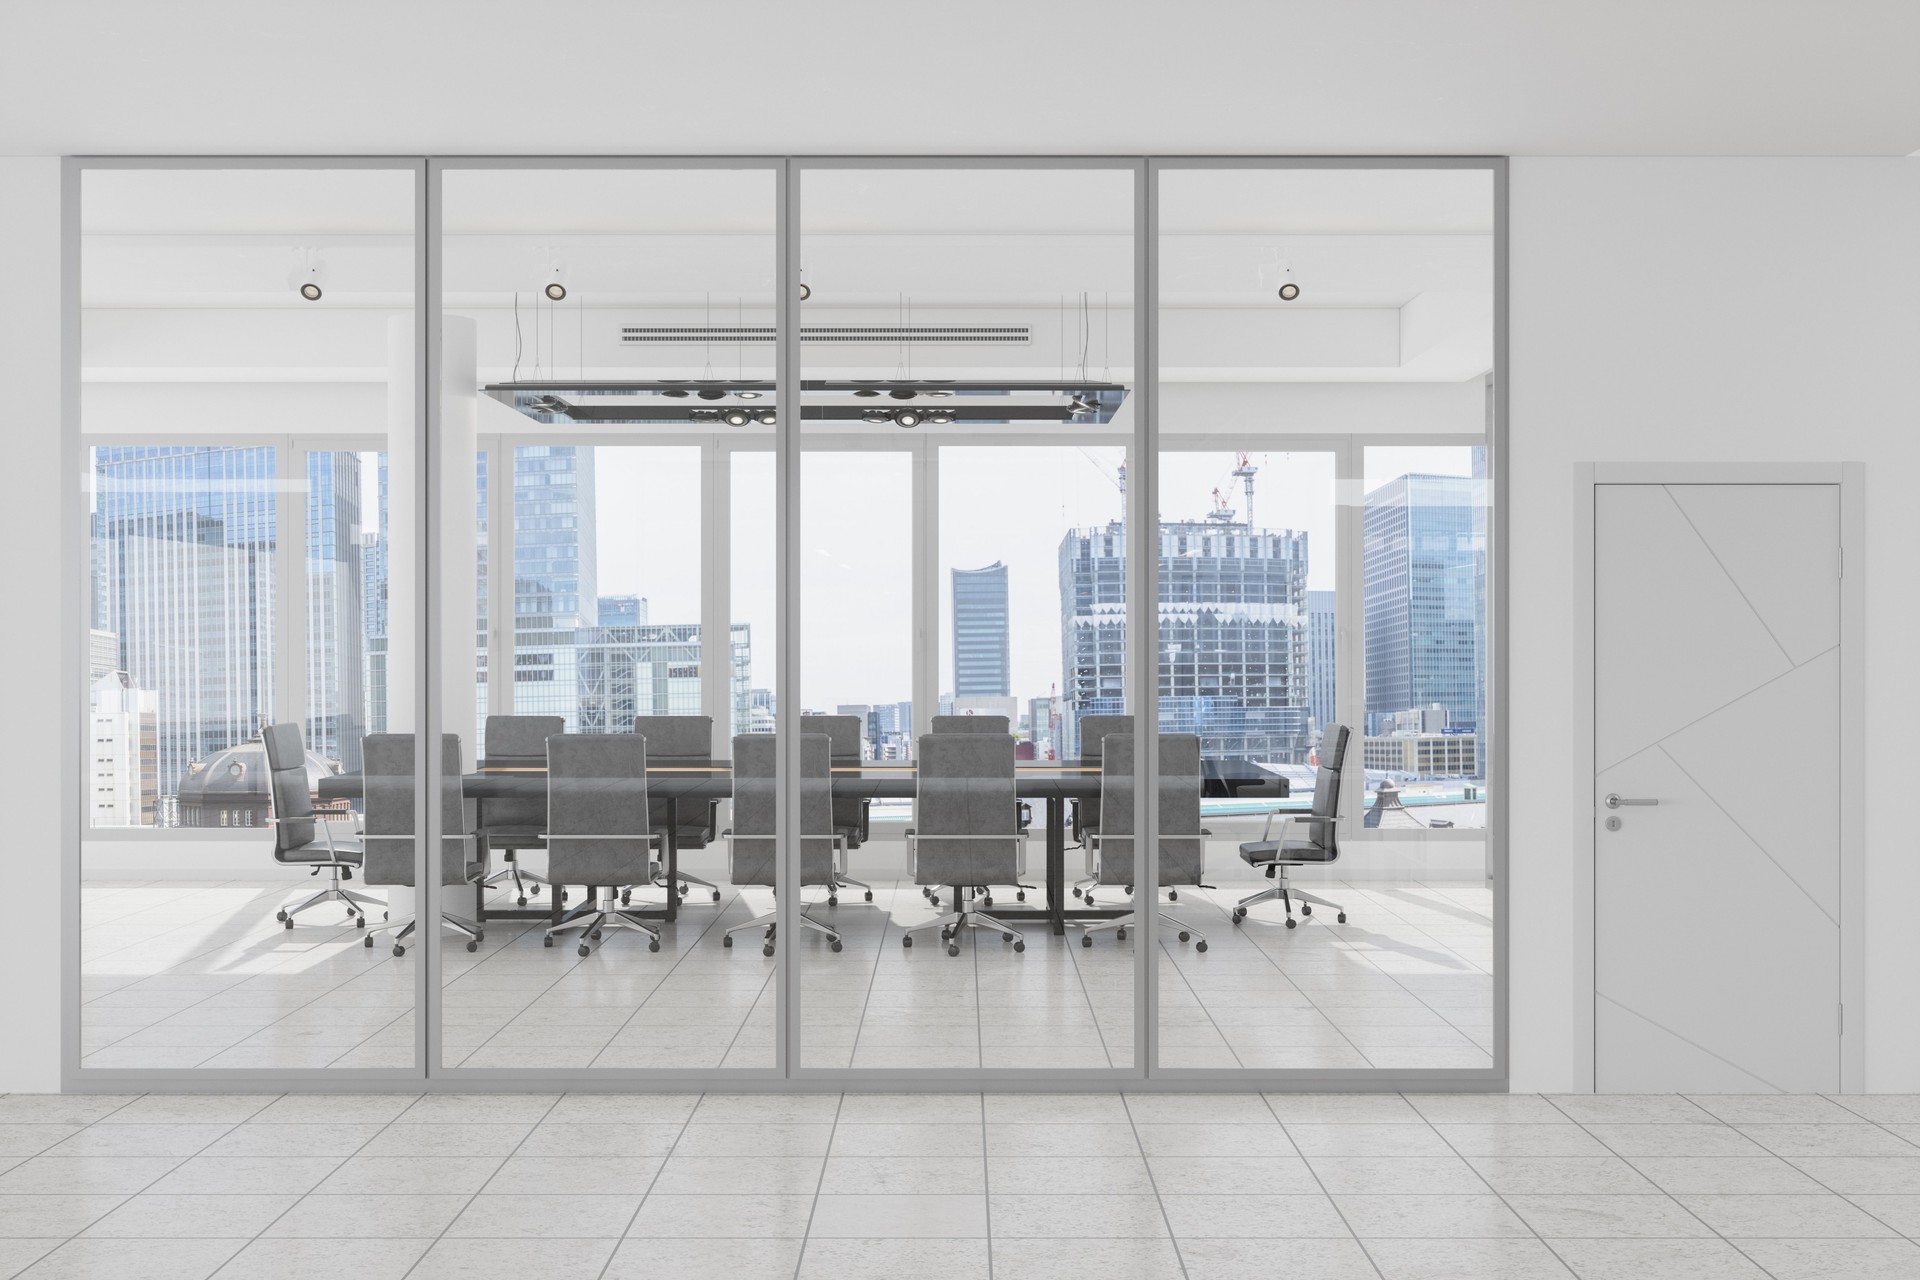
x,y
1323,573
583,362
239,347
964,360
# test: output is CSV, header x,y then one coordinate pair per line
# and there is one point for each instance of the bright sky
x,y
1001,503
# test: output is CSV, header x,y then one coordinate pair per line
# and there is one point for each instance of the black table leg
x,y
1057,863
673,858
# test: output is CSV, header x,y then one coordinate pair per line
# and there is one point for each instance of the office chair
x,y
304,838
388,767
851,814
514,825
1094,731
1183,848
681,740
966,829
599,830
1310,837
750,845
971,724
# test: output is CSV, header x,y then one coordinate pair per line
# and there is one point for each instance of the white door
x,y
1717,694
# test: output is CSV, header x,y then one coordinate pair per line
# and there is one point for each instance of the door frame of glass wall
x,y
1143,447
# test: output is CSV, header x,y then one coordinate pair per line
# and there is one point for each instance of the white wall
x,y
30,520
1697,309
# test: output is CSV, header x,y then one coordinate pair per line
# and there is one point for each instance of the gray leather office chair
x,y
971,724
1094,731
303,838
515,825
1183,847
966,829
1306,838
599,832
389,765
675,740
750,846
850,813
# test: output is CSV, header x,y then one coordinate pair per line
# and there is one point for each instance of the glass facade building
x,y
982,665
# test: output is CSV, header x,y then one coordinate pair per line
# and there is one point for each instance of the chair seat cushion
x,y
347,851
1259,853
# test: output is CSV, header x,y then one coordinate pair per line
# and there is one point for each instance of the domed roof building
x,y
229,788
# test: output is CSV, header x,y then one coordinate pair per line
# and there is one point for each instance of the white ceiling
x,y
1522,77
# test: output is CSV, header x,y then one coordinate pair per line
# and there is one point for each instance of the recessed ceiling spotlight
x,y
676,393
308,274
903,395
805,292
748,395
556,291
736,417
876,416
713,395
938,393
310,291
1289,290
906,417
939,417
866,394
768,417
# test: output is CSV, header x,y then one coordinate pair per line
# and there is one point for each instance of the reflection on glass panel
x,y
967,364
584,302
238,612
1312,322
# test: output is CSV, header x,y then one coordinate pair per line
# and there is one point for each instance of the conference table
x,y
1054,782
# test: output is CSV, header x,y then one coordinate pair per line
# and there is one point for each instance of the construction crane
x,y
1244,469
1221,513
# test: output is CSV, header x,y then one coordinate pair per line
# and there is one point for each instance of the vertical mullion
x,y
716,592
1143,611
1349,645
786,722
500,570
289,484
926,589
429,651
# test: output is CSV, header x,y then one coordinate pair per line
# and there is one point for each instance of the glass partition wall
x,y
804,727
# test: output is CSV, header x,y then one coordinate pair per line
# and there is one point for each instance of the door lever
x,y
1615,800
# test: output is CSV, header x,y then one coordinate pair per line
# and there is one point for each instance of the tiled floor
x,y
180,974
1012,1187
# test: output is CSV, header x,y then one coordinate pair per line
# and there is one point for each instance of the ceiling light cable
x,y
516,335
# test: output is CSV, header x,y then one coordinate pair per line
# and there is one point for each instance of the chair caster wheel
x,y
1184,935
561,895
1120,935
926,893
953,948
535,891
1306,908
1020,945
546,942
1086,939
280,916
767,950
1089,897
626,897
1020,896
683,891
1341,918
399,950
584,951
359,922
1239,914
834,945
986,900
1292,923
1200,945
726,940
1006,937
1173,895
653,944
472,945
367,942
289,922
523,899
832,901
934,900
386,915
716,897
1076,893
594,934
906,940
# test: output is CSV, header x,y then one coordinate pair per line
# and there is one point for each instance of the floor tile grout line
x,y
305,1195
442,1234
1501,1195
1169,957
651,1182
1315,1175
1159,1201
873,975
986,1181
806,1237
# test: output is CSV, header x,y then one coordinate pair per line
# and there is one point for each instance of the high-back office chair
x,y
966,829
1094,731
514,825
598,830
303,838
388,767
682,740
971,724
1310,837
850,813
750,846
1183,848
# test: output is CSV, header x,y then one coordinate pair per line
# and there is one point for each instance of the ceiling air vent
x,y
1018,334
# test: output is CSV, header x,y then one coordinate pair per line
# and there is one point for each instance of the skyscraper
x,y
982,666
1232,626
1425,599
1323,635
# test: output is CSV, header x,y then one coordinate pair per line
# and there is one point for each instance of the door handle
x,y
1615,800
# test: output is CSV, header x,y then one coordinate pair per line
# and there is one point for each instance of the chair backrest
x,y
755,757
843,735
388,763
597,787
288,790
1182,852
519,741
676,737
971,724
965,788
1095,730
1332,755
